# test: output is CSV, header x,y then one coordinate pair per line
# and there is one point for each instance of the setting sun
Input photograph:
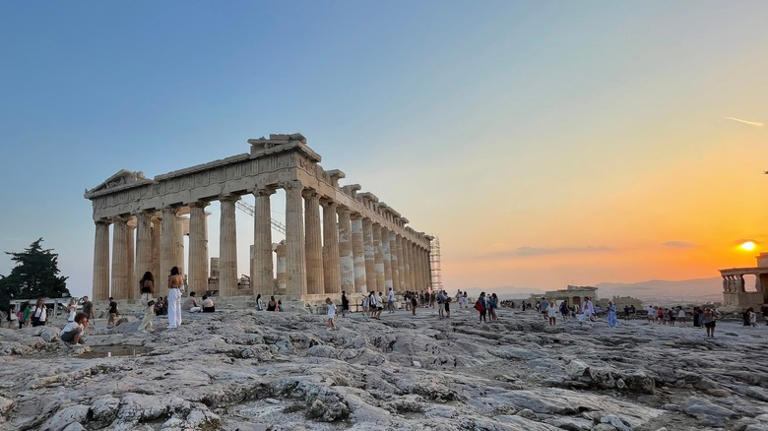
x,y
748,245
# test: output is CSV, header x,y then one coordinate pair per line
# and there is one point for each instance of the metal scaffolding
x,y
434,264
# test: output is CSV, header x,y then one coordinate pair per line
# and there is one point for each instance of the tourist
x,y
660,315
279,305
113,313
149,313
764,310
175,283
13,317
612,321
88,310
344,304
364,304
73,331
745,317
379,305
626,312
208,306
480,306
589,309
447,305
493,304
272,304
696,317
190,304
440,309
466,300
544,307
371,303
552,312
331,312
709,319
391,300
71,310
39,313
259,304
522,307
667,316
564,310
413,304
147,286
680,314
672,316
159,306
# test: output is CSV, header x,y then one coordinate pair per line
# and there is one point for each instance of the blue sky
x,y
435,106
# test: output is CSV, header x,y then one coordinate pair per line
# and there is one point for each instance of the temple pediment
x,y
121,179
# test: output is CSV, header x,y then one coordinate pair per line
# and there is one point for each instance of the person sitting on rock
x,y
272,304
73,331
208,304
190,304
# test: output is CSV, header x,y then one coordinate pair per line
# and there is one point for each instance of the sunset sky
x,y
546,143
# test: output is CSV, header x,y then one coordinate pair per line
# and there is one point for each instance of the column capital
x,y
264,191
309,192
229,198
199,204
355,215
342,209
291,185
328,202
102,221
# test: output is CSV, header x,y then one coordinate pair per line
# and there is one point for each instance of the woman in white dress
x,y
552,313
72,310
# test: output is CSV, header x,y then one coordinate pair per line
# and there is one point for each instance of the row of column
x,y
350,253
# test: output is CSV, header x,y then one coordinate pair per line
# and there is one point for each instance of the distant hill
x,y
700,289
651,291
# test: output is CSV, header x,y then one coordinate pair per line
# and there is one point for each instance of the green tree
x,y
36,275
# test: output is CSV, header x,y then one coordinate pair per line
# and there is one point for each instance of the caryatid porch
x,y
735,292
362,245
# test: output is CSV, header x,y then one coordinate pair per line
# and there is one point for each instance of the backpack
x,y
479,305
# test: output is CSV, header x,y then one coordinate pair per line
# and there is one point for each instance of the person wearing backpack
x,y
480,306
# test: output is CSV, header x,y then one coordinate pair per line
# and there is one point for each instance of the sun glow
x,y
748,245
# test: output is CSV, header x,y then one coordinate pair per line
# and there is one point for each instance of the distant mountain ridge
x,y
699,289
650,291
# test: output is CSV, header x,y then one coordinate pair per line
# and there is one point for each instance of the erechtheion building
x,y
735,289
363,244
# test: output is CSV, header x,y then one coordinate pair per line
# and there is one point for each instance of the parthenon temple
x,y
363,243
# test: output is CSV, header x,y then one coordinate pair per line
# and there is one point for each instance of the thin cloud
x,y
679,244
544,251
747,122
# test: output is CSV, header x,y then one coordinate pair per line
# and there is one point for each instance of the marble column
x,y
387,257
198,248
401,262
313,243
101,261
143,248
346,260
427,269
407,265
262,281
296,283
412,263
281,276
331,267
157,228
132,290
370,259
378,255
358,253
168,251
180,244
394,259
228,247
119,259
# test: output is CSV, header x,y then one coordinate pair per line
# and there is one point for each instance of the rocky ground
x,y
251,370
